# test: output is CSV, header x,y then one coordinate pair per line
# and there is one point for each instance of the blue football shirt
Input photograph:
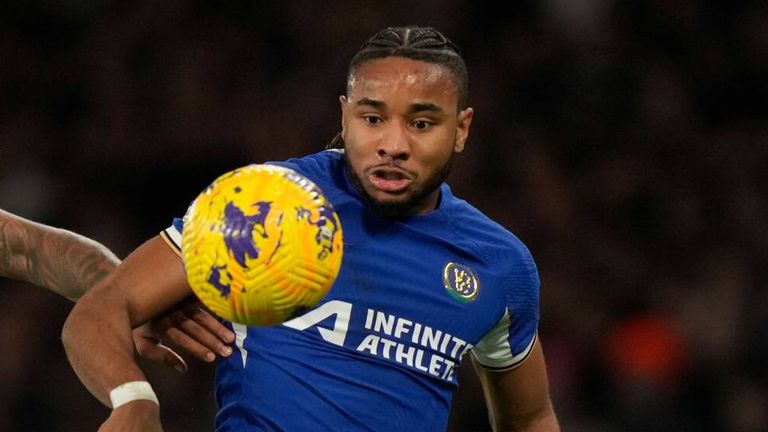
x,y
380,352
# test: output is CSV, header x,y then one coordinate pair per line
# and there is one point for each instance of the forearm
x,y
97,339
69,264
97,333
59,260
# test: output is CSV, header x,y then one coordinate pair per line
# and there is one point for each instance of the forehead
x,y
403,76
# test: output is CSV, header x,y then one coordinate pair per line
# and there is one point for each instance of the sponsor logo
x,y
389,337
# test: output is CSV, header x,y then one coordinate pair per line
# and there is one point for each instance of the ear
x,y
344,105
462,129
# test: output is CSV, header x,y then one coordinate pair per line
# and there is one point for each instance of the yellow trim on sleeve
x,y
170,242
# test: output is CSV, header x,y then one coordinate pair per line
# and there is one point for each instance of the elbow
x,y
95,317
70,329
81,324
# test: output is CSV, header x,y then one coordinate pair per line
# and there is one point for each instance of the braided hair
x,y
418,43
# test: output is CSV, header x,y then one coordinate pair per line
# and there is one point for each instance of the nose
x,y
394,143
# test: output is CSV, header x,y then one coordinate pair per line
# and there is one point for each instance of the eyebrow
x,y
417,107
373,103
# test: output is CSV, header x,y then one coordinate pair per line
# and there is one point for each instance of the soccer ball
x,y
261,244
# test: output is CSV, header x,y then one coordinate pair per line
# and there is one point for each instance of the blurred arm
x,y
70,264
97,333
518,399
56,259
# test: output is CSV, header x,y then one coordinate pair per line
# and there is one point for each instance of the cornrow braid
x,y
410,37
418,43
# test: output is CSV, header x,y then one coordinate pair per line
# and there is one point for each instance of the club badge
x,y
461,282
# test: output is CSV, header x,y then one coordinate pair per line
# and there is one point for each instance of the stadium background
x,y
625,142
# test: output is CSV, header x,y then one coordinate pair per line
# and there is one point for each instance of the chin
x,y
388,199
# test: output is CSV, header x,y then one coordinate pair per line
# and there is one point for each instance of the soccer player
x,y
69,264
426,278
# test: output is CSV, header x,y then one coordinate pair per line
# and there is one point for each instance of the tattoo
x,y
59,260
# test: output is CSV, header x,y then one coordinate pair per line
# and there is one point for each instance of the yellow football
x,y
261,244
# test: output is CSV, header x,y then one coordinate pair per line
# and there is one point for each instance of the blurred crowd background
x,y
626,142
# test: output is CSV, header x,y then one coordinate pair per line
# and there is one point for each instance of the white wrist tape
x,y
131,391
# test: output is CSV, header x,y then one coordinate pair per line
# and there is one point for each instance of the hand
x,y
191,328
138,416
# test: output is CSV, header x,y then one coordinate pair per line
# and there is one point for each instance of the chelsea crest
x,y
461,282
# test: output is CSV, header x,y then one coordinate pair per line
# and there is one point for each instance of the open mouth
x,y
391,180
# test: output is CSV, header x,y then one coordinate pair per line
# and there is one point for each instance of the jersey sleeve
x,y
508,344
172,234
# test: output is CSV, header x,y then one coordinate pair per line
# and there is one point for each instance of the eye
x,y
422,124
372,119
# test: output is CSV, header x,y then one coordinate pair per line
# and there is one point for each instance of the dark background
x,y
624,141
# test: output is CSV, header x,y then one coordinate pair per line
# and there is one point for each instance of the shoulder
x,y
324,168
492,239
318,164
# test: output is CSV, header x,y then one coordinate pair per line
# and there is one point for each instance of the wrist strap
x,y
131,391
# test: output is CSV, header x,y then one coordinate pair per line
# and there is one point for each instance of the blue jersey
x,y
380,352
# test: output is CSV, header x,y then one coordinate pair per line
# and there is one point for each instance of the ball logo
x,y
461,282
238,230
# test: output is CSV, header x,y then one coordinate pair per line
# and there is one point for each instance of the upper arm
x,y
518,398
509,360
149,282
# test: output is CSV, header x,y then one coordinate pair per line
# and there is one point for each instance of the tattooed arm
x,y
70,264
56,259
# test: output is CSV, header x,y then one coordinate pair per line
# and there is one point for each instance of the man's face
x,y
401,128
